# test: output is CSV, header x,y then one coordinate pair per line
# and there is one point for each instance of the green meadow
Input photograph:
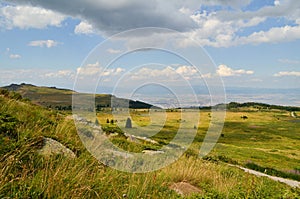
x,y
268,138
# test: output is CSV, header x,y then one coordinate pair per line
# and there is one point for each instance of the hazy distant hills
x,y
61,99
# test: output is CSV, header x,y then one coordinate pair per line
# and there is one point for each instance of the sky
x,y
248,44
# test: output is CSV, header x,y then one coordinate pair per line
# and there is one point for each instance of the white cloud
x,y
186,70
38,76
274,35
84,28
25,17
277,2
119,15
89,69
113,51
96,70
221,28
146,73
119,70
112,72
44,43
61,74
14,56
287,73
289,61
169,73
225,71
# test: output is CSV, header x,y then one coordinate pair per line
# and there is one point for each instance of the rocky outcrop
x,y
53,147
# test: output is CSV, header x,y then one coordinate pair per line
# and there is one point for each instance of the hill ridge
x,y
61,98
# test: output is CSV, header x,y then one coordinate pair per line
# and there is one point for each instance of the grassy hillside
x,y
24,173
263,139
61,99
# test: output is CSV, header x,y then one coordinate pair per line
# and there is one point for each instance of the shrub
x,y
8,125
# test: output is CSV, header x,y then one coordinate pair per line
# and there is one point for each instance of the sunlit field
x,y
268,138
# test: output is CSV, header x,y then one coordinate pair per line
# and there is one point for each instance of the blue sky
x,y
253,43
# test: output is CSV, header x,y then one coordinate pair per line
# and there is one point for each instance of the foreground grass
x,y
26,174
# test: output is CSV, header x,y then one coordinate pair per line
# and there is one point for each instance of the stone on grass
x,y
185,188
128,123
53,147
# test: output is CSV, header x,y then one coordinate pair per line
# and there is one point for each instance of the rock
x,y
132,138
152,152
53,147
184,188
128,123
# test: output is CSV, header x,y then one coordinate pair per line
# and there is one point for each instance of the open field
x,y
268,138
24,173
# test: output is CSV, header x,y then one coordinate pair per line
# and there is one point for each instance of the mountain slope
x,y
61,99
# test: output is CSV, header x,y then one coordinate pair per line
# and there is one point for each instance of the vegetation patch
x,y
273,172
24,173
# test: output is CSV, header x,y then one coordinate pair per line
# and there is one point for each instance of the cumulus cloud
x,y
115,16
84,28
274,35
25,17
169,73
89,69
95,69
60,74
44,43
14,56
287,73
113,51
186,70
221,28
225,71
277,2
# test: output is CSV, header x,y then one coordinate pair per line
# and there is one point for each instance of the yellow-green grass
x,y
26,174
269,138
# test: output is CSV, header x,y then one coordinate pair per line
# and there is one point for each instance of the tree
x,y
107,121
128,123
244,117
96,122
112,121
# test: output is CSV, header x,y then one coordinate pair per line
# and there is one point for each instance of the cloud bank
x,y
224,27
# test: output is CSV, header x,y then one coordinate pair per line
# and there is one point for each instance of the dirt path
x,y
292,183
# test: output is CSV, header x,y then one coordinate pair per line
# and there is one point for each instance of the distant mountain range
x,y
61,99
